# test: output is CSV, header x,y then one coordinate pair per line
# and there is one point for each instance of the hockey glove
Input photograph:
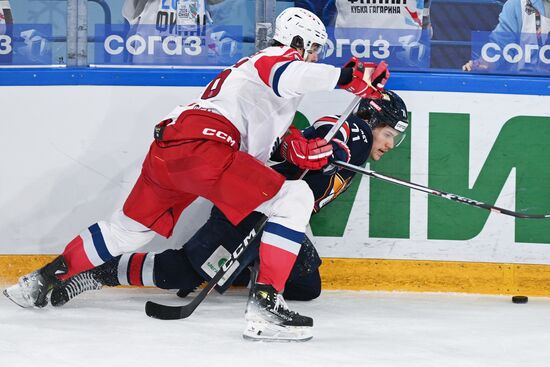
x,y
340,152
368,79
305,153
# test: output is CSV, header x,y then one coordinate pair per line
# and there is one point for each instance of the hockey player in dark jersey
x,y
375,128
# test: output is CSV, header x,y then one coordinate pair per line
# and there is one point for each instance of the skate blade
x,y
268,332
15,295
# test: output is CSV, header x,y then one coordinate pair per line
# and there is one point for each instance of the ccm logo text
x,y
219,134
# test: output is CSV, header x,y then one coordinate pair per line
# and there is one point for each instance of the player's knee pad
x,y
123,234
301,194
292,205
297,205
174,271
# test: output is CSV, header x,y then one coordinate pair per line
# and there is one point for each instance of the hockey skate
x,y
72,287
268,317
33,289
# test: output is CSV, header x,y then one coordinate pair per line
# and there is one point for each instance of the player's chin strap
x,y
334,130
442,194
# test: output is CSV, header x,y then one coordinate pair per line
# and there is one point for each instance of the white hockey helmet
x,y
300,28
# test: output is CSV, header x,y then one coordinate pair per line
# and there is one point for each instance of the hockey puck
x,y
520,299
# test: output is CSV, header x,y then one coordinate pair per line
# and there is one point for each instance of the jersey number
x,y
215,86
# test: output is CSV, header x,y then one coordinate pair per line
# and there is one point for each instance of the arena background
x,y
74,139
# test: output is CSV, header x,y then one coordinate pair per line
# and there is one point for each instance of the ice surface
x,y
110,328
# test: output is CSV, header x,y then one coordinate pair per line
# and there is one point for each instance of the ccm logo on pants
x,y
219,134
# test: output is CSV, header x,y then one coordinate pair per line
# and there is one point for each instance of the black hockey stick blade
x,y
164,312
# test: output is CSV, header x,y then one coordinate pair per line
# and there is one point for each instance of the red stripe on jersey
x,y
328,118
134,269
333,120
347,130
275,265
265,64
76,259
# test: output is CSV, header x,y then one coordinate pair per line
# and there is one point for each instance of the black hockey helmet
x,y
389,110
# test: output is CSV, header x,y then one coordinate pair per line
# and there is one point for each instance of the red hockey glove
x,y
305,153
368,79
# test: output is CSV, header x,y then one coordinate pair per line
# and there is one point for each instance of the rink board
x,y
384,275
74,157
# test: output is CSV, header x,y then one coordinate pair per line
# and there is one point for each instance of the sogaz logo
x,y
360,48
150,45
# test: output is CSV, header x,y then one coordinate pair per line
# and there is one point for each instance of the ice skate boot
x,y
72,287
268,317
93,279
32,289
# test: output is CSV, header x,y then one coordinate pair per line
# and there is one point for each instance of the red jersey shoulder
x,y
273,58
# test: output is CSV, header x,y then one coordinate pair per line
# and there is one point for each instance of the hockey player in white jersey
x,y
216,147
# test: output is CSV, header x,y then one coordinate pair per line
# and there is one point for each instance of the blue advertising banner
x,y
404,49
511,53
171,46
26,44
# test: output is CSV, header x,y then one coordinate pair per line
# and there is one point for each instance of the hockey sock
x,y
136,269
279,248
168,270
86,251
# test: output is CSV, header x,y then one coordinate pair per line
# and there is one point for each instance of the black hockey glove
x,y
340,152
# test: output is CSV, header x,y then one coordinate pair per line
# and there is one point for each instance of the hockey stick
x,y
164,312
442,194
338,124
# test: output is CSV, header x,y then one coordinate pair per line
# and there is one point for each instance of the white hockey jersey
x,y
260,95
